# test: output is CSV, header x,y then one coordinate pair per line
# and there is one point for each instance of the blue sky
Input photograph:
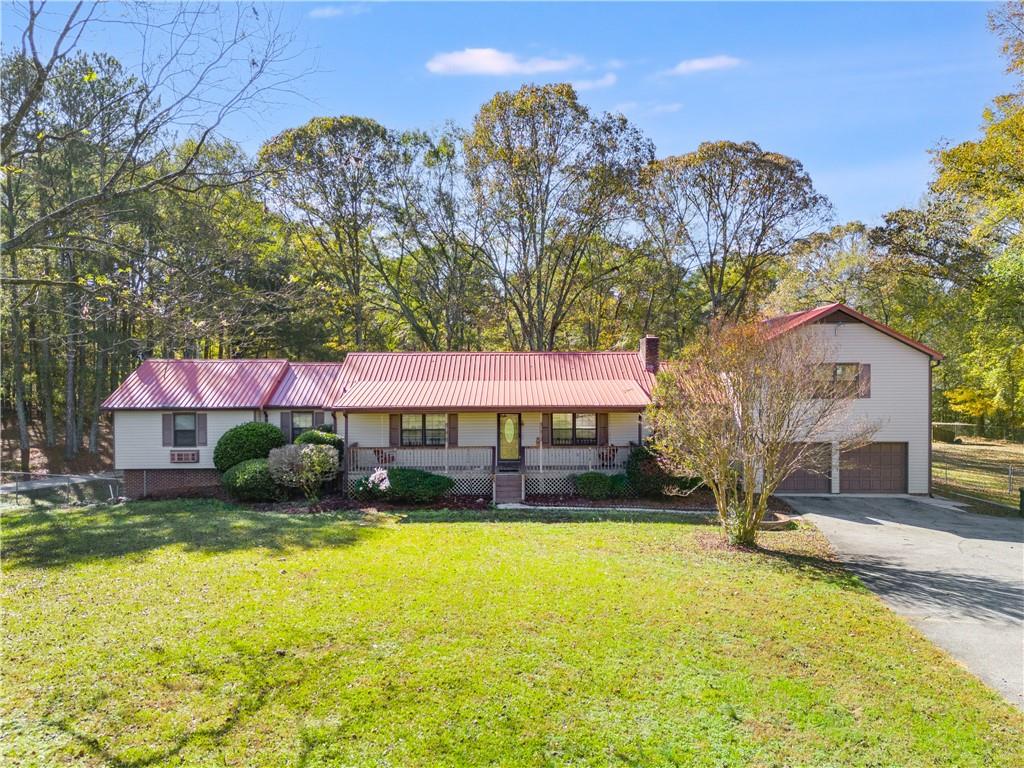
x,y
858,92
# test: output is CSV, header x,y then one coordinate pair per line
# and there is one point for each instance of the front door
x,y
508,442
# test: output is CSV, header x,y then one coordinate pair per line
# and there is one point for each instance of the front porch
x,y
542,469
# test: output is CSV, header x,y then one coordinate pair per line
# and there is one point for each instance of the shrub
x,y
320,436
416,486
943,434
399,484
373,487
620,486
250,480
645,473
594,485
253,440
306,467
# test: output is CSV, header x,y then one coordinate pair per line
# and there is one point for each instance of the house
x,y
506,424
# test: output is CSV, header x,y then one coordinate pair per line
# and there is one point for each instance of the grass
x,y
978,467
197,633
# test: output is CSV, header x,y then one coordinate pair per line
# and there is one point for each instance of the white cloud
x,y
336,10
606,81
614,64
491,61
706,64
665,109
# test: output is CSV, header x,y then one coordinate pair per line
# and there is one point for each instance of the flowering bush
x,y
375,486
306,467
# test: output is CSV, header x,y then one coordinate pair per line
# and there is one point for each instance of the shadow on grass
x,y
255,692
47,538
549,515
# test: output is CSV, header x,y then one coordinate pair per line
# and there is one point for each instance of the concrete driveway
x,y
958,577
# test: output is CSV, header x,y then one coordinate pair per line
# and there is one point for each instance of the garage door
x,y
816,480
875,468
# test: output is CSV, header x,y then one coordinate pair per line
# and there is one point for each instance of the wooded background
x,y
133,227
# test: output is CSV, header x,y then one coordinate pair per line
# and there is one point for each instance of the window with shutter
x,y
184,430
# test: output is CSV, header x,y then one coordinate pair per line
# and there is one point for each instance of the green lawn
x,y
196,633
979,467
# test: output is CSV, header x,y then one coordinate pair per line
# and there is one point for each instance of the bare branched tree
x,y
745,408
200,63
729,212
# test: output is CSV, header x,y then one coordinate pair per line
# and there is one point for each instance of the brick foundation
x,y
144,482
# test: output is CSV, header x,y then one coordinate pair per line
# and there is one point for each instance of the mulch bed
x,y
701,498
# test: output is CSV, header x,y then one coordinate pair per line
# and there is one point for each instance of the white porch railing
x,y
580,458
431,459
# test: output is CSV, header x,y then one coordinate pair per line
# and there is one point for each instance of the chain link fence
x,y
45,490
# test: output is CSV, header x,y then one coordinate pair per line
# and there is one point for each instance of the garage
x,y
815,480
874,468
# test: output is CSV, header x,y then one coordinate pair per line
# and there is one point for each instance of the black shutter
x,y
545,429
168,428
286,425
395,430
602,429
864,380
453,429
200,429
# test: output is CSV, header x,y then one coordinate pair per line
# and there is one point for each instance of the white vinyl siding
x,y
622,428
478,429
369,430
898,403
138,438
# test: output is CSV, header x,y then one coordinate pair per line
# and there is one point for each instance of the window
x,y
184,430
574,429
302,421
423,429
561,429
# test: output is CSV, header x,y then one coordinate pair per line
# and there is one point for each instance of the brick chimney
x,y
649,353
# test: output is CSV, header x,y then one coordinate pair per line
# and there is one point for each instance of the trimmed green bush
x,y
250,480
253,440
405,486
943,434
646,475
594,485
317,436
620,486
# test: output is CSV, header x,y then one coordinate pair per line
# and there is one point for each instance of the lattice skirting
x,y
550,486
464,485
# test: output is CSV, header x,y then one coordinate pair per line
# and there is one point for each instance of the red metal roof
x,y
494,380
786,323
309,385
212,384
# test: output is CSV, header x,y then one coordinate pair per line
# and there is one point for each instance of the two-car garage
x,y
879,467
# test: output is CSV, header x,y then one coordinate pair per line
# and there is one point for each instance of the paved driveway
x,y
958,577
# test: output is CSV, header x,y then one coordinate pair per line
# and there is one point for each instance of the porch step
x,y
508,487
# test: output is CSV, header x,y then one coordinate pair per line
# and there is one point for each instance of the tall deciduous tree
x,y
548,180
330,177
731,212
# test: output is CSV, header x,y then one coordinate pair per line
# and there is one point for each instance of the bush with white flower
x,y
374,486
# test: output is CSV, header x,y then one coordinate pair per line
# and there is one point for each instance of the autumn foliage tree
x,y
743,409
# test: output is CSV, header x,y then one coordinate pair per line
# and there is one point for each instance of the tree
x,y
548,179
329,178
731,212
743,409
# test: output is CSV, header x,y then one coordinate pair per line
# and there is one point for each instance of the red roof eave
x,y
786,323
